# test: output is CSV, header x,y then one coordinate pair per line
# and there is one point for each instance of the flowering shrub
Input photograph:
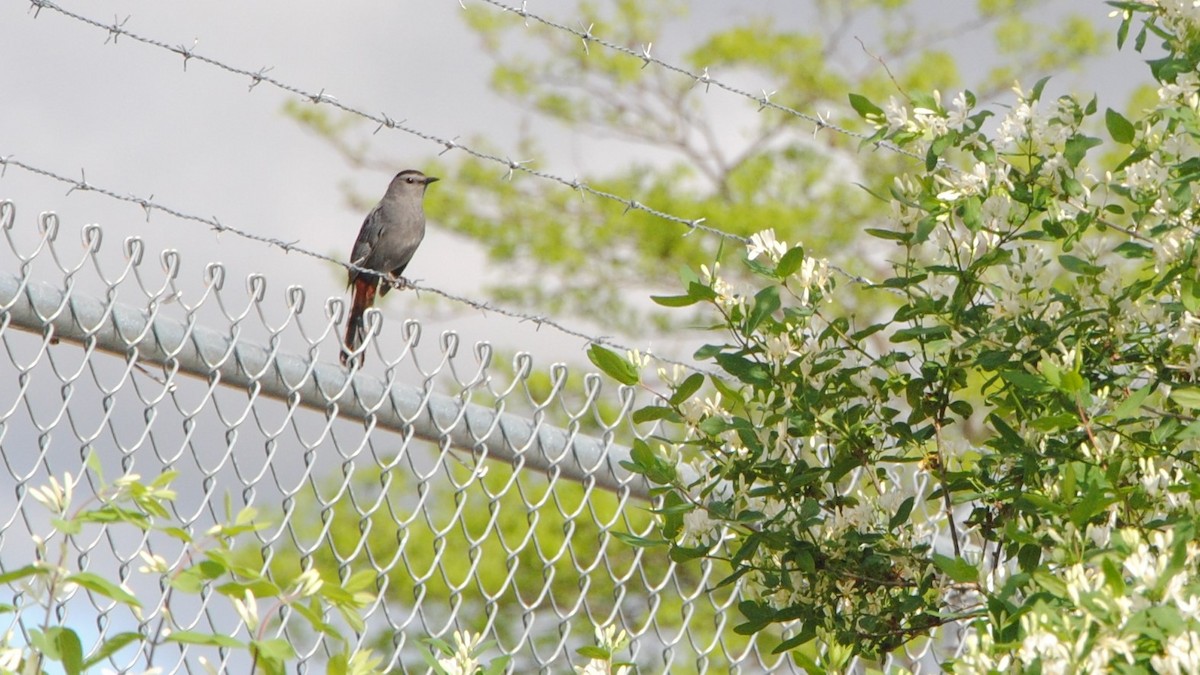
x,y
49,586
1011,444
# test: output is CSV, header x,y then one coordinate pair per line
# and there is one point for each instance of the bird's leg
x,y
398,282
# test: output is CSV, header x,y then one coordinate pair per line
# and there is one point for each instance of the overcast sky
x,y
200,142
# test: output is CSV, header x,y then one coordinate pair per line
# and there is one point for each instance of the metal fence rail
x,y
481,494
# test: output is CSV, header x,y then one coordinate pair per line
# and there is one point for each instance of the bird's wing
x,y
368,236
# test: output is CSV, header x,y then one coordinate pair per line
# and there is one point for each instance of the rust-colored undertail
x,y
363,298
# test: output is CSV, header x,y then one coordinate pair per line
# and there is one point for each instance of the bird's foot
x,y
398,282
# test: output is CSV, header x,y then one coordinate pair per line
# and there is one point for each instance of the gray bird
x,y
386,243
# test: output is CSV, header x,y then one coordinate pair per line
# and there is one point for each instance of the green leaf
x,y
261,588
1036,93
901,515
593,652
1119,128
192,579
674,300
98,584
1134,157
924,334
972,213
686,388
1026,381
497,666
1051,583
1028,557
792,642
644,461
744,369
1130,406
1079,266
1113,576
1188,397
70,650
338,664
790,262
1059,422
276,651
892,235
766,303
639,542
956,568
1189,295
863,106
653,412
1123,29
19,573
112,646
362,580
1129,249
314,611
1077,146
190,637
612,364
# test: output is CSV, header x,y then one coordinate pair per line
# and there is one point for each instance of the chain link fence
x,y
481,492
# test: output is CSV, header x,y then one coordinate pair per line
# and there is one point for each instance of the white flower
x,y
638,359
600,667
611,637
764,243
1041,643
308,583
1182,655
1145,566
463,661
155,564
56,496
698,528
1145,176
957,115
781,348
10,657
248,610
931,122
897,116
967,184
813,273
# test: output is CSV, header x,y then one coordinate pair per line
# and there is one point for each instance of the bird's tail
x,y
363,297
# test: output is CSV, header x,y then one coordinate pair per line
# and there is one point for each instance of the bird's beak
x,y
431,179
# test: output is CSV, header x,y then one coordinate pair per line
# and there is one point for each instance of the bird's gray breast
x,y
394,230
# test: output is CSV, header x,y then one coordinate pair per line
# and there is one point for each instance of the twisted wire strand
x,y
763,100
149,206
117,29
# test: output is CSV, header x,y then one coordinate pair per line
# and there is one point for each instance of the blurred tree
x,y
565,252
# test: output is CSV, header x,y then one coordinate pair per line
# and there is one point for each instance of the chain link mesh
x,y
480,494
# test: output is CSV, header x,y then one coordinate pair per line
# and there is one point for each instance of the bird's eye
x,y
409,179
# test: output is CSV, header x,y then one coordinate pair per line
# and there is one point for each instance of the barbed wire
x,y
149,205
117,29
763,100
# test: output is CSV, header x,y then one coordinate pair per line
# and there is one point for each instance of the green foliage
x,y
207,564
1014,445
